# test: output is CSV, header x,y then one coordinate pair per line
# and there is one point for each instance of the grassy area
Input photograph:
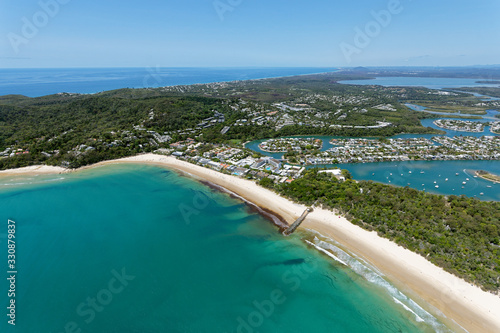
x,y
458,116
437,107
235,141
488,91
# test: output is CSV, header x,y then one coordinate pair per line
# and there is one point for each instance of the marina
x,y
411,172
422,173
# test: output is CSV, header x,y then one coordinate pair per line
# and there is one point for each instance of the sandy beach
x,y
34,170
491,179
430,286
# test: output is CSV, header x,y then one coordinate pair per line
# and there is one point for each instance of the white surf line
x,y
373,275
418,318
331,255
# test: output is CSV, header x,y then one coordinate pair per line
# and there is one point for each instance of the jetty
x,y
297,222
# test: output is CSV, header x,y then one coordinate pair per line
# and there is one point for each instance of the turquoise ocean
x,y
133,248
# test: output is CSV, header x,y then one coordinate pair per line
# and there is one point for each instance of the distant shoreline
x,y
461,303
488,82
146,78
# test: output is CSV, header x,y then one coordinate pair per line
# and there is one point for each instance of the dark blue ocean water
x,y
40,82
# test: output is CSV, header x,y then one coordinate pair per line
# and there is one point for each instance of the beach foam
x,y
433,288
372,275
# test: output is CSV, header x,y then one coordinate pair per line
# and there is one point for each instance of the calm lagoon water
x,y
419,175
489,116
427,82
140,249
425,175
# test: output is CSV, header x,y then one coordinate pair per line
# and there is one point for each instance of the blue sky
x,y
241,33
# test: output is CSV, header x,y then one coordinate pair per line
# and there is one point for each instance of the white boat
x,y
464,183
409,171
467,179
481,193
437,186
446,180
456,174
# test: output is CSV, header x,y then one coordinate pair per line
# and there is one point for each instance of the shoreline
x,y
437,291
35,170
333,70
476,172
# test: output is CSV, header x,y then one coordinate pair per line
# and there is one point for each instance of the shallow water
x,y
134,248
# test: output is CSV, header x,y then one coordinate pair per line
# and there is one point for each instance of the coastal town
x,y
143,136
248,111
495,127
236,161
302,152
280,115
294,144
298,152
467,126
359,150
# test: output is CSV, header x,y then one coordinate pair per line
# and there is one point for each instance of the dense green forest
x,y
107,124
460,234
74,130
